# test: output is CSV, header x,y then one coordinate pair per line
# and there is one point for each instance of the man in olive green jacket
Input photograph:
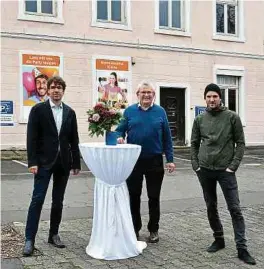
x,y
217,148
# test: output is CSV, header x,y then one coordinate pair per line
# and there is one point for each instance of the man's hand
x,y
33,170
229,170
75,172
170,167
120,140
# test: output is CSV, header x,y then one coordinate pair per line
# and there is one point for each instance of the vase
x,y
110,138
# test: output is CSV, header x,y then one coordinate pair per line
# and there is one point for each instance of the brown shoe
x,y
153,237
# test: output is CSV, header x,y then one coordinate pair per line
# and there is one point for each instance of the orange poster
x,y
112,80
103,64
35,70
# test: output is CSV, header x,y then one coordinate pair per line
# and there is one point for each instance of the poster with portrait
x,y
35,70
112,80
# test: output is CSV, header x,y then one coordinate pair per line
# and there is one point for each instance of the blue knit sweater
x,y
148,128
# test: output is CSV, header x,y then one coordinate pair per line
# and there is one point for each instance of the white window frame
x,y
240,32
231,87
57,17
126,14
185,20
237,71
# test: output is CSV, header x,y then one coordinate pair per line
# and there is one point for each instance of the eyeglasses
x,y
146,92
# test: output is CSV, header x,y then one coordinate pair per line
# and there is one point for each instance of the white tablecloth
x,y
112,234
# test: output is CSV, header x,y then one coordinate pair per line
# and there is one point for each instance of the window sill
x,y
229,38
110,25
172,32
22,121
46,19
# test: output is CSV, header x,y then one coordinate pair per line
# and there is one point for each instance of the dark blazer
x,y
43,139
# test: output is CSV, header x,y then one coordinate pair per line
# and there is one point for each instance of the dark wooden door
x,y
173,101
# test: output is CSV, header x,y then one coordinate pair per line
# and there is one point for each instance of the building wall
x,y
163,59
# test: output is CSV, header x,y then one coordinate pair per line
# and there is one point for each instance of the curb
x,y
22,154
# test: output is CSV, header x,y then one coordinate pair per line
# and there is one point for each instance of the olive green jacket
x,y
217,140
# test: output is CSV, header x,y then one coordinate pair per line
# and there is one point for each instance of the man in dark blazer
x,y
52,148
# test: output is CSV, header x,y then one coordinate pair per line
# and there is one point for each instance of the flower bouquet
x,y
101,119
120,105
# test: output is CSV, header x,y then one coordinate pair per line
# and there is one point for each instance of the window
x,y
111,10
229,20
41,7
111,14
231,80
173,17
170,14
230,90
226,17
41,10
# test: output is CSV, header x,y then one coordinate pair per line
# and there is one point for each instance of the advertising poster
x,y
35,70
7,113
112,80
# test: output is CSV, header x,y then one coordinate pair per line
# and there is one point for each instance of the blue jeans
x,y
228,184
41,183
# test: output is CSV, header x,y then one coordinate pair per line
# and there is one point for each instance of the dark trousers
x,y
41,183
228,184
153,170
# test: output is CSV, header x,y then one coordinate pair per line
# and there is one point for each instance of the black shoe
x,y
153,237
55,240
28,248
218,244
244,256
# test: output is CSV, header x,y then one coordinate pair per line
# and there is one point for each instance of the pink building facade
x,y
180,46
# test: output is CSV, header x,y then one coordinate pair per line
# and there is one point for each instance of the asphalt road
x,y
180,190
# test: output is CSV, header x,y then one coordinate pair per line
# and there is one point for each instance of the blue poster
x,y
7,114
199,110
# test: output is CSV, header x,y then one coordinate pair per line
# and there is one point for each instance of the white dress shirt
x,y
145,108
57,114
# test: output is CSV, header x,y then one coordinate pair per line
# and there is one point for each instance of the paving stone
x,y
95,262
67,265
81,263
100,267
30,261
113,264
184,237
12,263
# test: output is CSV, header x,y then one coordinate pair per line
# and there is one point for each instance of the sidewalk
x,y
184,236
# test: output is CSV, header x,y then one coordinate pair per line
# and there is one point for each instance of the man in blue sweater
x,y
146,124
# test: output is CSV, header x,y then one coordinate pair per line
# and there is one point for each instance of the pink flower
x,y
96,117
112,111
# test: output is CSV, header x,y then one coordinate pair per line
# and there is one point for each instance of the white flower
x,y
96,117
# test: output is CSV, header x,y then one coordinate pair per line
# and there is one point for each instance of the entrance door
x,y
173,101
